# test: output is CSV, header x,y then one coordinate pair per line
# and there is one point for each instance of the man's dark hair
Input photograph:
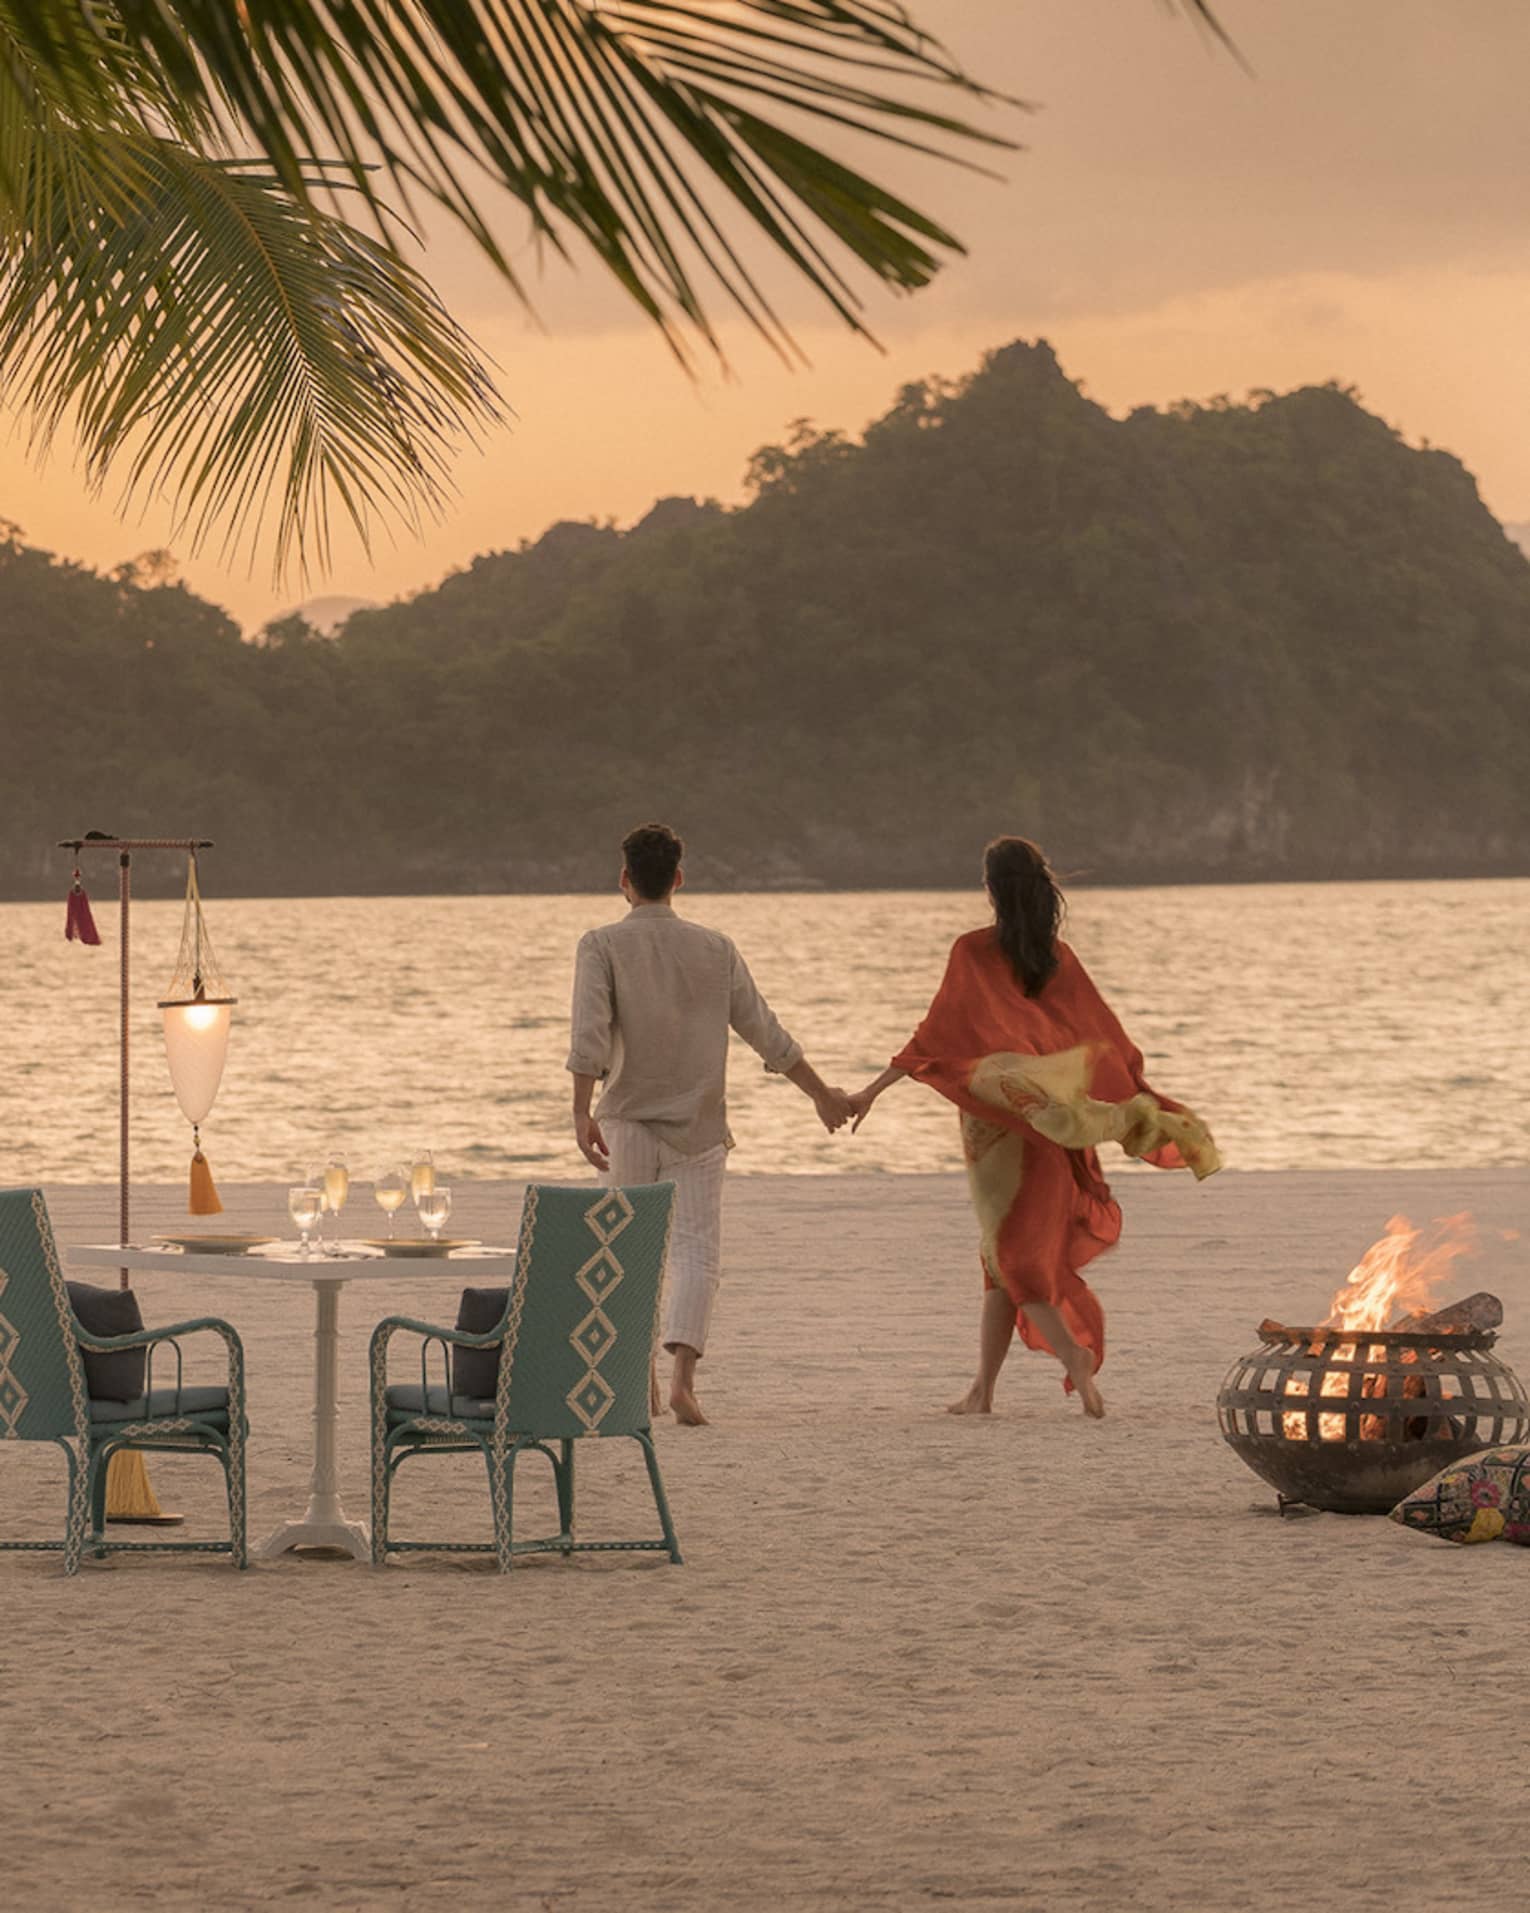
x,y
652,855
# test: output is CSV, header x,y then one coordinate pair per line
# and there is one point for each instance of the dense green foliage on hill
x,y
1228,640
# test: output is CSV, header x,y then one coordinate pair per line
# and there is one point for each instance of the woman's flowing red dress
x,y
1041,1081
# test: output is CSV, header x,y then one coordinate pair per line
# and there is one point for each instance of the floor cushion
x,y
1483,1497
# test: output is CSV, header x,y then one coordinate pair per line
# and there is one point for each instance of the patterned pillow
x,y
1483,1498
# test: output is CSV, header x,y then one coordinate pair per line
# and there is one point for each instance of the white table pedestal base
x,y
339,1536
323,1523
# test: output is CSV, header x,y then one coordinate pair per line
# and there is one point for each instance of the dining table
x,y
324,1523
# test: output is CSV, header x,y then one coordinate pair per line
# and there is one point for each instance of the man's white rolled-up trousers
x,y
695,1238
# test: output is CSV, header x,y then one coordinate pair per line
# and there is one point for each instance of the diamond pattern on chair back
x,y
583,1311
42,1379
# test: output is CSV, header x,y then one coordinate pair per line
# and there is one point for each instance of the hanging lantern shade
x,y
197,1011
196,1044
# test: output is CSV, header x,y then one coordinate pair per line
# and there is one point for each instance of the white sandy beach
x,y
1031,1661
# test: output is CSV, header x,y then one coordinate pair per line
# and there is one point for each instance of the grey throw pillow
x,y
475,1371
111,1375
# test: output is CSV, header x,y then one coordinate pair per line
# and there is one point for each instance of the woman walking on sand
x,y
1026,1047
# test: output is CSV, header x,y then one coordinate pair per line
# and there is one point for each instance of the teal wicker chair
x,y
43,1395
576,1343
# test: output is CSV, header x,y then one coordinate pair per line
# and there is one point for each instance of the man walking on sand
x,y
654,999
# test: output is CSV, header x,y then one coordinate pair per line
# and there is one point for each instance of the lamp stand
x,y
130,1497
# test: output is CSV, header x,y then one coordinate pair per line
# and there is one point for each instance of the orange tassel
x,y
204,1195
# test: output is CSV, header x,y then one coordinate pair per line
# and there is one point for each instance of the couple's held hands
x,y
833,1106
836,1107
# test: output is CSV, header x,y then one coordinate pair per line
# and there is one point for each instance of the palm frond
x,y
658,133
1205,15
217,342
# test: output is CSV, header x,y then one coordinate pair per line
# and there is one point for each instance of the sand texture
x,y
911,1659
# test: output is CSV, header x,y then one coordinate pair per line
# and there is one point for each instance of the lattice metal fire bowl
x,y
1353,1422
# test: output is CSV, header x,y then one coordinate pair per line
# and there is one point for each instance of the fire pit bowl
x,y
1353,1420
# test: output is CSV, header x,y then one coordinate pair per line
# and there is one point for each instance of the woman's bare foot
x,y
977,1401
687,1409
1081,1373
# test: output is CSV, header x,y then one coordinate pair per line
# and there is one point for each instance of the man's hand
x,y
833,1106
592,1145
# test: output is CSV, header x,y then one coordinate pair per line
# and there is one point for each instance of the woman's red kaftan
x,y
1041,1081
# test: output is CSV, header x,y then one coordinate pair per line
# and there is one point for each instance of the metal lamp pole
x,y
129,1497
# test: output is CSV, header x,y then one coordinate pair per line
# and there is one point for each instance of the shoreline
x,y
150,886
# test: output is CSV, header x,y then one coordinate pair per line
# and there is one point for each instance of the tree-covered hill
x,y
1227,640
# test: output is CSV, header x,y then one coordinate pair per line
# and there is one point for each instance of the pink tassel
x,y
78,922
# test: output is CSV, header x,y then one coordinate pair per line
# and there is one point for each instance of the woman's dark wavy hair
x,y
1027,908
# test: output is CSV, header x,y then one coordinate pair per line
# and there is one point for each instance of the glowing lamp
x,y
196,1014
196,1048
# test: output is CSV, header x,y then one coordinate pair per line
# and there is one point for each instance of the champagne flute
x,y
390,1191
305,1204
337,1186
422,1175
314,1177
435,1206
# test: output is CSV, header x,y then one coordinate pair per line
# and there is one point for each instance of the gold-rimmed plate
x,y
216,1244
418,1245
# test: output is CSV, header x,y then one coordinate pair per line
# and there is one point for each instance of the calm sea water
x,y
1330,1025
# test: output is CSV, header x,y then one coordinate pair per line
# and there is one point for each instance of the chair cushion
x,y
406,1399
207,1404
475,1371
1480,1498
111,1375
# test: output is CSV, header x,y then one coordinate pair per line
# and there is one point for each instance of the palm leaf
x,y
222,343
176,279
658,133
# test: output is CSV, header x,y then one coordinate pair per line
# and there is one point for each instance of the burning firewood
x,y
1473,1311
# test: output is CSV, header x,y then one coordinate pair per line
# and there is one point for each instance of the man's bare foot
x,y
655,1396
1081,1374
976,1401
682,1386
687,1408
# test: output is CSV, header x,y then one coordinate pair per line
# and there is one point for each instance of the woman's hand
x,y
860,1101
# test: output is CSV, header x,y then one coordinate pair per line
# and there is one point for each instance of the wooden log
x,y
1473,1311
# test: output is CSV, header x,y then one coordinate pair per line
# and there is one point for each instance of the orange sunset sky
x,y
1351,208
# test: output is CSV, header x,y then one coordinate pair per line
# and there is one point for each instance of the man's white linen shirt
x,y
654,998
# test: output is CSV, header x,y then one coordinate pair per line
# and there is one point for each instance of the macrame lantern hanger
x,y
196,1011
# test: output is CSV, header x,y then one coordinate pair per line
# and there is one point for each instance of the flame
x,y
1335,1382
1394,1279
1398,1275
